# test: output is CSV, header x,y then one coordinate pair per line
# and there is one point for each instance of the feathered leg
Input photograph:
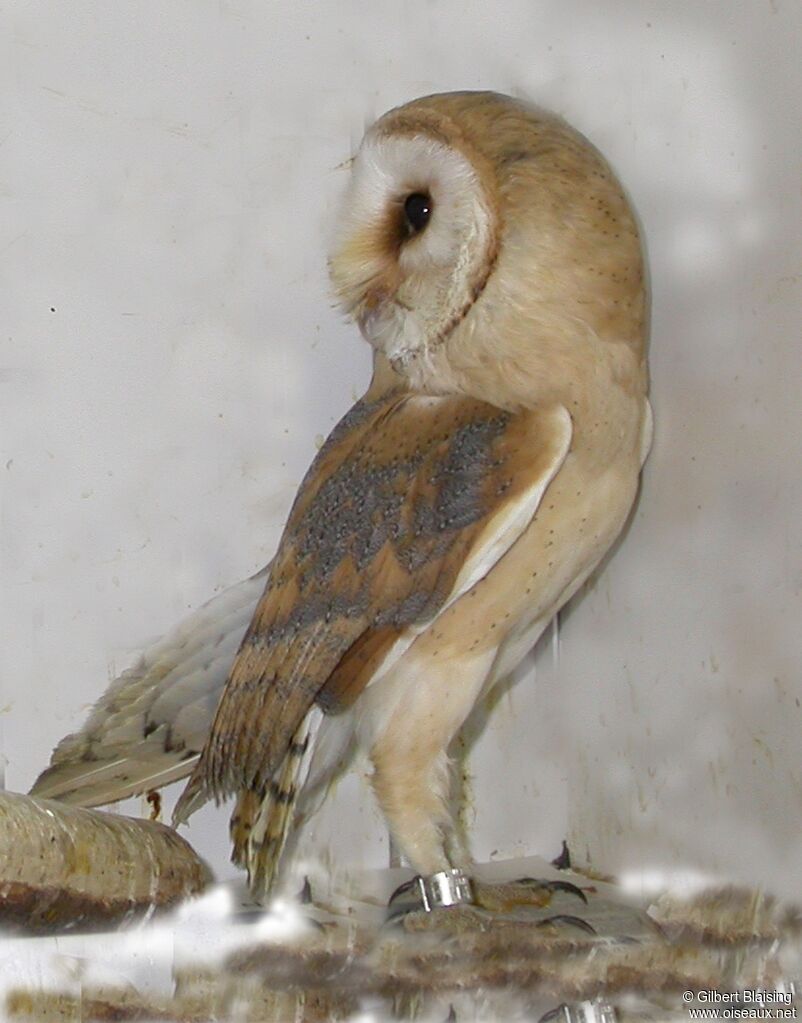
x,y
412,777
414,800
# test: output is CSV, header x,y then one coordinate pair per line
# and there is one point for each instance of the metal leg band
x,y
446,888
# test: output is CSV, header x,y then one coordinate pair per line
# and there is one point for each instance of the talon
x,y
405,899
553,886
403,889
566,886
572,921
558,1015
563,861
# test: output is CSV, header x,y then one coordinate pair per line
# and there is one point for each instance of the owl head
x,y
480,240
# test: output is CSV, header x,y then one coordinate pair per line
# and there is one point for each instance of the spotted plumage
x,y
399,501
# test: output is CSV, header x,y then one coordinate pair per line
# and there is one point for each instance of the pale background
x,y
169,354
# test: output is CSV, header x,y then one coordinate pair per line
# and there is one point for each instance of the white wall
x,y
169,355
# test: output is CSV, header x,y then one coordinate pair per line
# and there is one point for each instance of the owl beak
x,y
370,309
368,321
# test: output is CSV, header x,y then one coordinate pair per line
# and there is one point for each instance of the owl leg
x,y
412,776
412,782
412,791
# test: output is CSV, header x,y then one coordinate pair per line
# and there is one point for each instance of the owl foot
x,y
518,899
524,893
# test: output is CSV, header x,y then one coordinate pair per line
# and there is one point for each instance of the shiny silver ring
x,y
446,888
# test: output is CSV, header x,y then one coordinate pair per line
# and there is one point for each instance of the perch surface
x,y
336,957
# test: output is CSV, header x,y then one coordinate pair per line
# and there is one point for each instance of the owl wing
x,y
149,726
410,502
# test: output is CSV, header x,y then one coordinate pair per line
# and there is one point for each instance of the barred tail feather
x,y
262,821
246,810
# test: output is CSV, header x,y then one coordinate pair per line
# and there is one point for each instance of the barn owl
x,y
491,260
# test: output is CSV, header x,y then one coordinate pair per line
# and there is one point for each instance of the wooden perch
x,y
64,867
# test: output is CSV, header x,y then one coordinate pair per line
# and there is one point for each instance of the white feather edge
x,y
647,432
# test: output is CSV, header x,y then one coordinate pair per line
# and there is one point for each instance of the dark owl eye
x,y
417,210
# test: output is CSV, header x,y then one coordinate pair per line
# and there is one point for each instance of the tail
x,y
262,820
149,726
